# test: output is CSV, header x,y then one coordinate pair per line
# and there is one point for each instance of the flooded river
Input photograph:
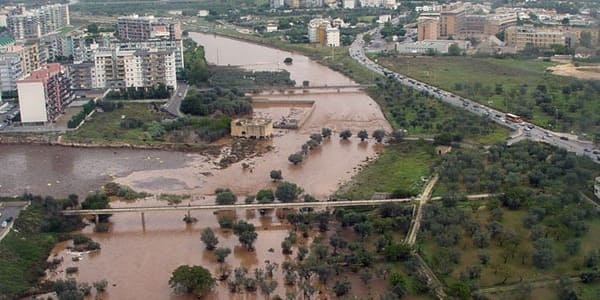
x,y
138,260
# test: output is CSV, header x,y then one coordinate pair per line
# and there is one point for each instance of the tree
x,y
287,191
92,28
295,158
265,196
342,287
542,256
363,135
316,137
192,279
346,134
365,275
225,197
209,238
286,247
268,287
378,135
337,242
95,201
325,132
454,50
246,234
222,253
100,285
276,175
566,290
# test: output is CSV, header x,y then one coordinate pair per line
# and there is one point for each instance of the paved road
x,y
7,212
524,130
174,103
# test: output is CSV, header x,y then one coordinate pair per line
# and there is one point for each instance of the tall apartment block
x,y
139,28
44,94
116,68
15,61
24,24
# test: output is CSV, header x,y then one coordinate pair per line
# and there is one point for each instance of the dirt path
x,y
582,72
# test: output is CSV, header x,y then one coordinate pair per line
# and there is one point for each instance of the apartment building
x,y
428,29
452,19
597,187
276,3
139,28
10,71
160,44
520,36
320,31
332,37
116,68
24,24
44,94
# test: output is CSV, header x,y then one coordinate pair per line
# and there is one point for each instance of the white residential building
x,y
350,4
371,3
333,37
23,24
10,71
118,68
276,3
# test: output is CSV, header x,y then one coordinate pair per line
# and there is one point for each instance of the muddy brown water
x,y
138,260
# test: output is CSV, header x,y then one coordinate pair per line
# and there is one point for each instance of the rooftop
x,y
252,122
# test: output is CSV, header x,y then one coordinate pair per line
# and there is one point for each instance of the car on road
x,y
4,224
180,94
548,134
564,138
596,151
587,150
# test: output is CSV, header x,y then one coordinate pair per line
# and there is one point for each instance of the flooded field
x,y
137,260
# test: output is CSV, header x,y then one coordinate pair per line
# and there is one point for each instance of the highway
x,y
524,130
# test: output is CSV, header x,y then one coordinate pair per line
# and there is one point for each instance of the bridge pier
x,y
96,218
143,220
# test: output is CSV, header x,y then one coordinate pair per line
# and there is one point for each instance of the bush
x,y
225,197
101,227
78,118
265,196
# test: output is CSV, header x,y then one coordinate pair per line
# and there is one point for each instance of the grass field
x,y
23,256
400,166
509,85
105,126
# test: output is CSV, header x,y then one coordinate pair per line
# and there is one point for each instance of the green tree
x,y
454,50
246,234
222,253
192,279
295,158
346,134
363,135
287,191
209,238
265,196
325,132
225,197
342,287
276,175
378,135
316,137
96,200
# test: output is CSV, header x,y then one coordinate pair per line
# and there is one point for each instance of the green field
x,y
105,126
23,255
520,86
400,166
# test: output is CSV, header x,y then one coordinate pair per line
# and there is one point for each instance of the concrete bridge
x,y
275,205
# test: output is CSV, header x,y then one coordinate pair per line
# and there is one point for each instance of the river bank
x,y
137,259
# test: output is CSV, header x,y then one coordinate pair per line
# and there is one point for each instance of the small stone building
x,y
252,128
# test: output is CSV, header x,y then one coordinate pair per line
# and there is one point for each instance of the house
x,y
252,128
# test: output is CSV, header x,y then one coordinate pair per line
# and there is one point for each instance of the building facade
x,y
252,128
597,187
23,23
452,19
320,31
10,71
521,36
44,94
428,29
139,28
142,68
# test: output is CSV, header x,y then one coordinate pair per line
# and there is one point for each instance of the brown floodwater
x,y
138,259
59,171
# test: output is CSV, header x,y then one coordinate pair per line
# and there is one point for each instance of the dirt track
x,y
582,72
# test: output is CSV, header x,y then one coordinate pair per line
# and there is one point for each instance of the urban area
x,y
299,149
